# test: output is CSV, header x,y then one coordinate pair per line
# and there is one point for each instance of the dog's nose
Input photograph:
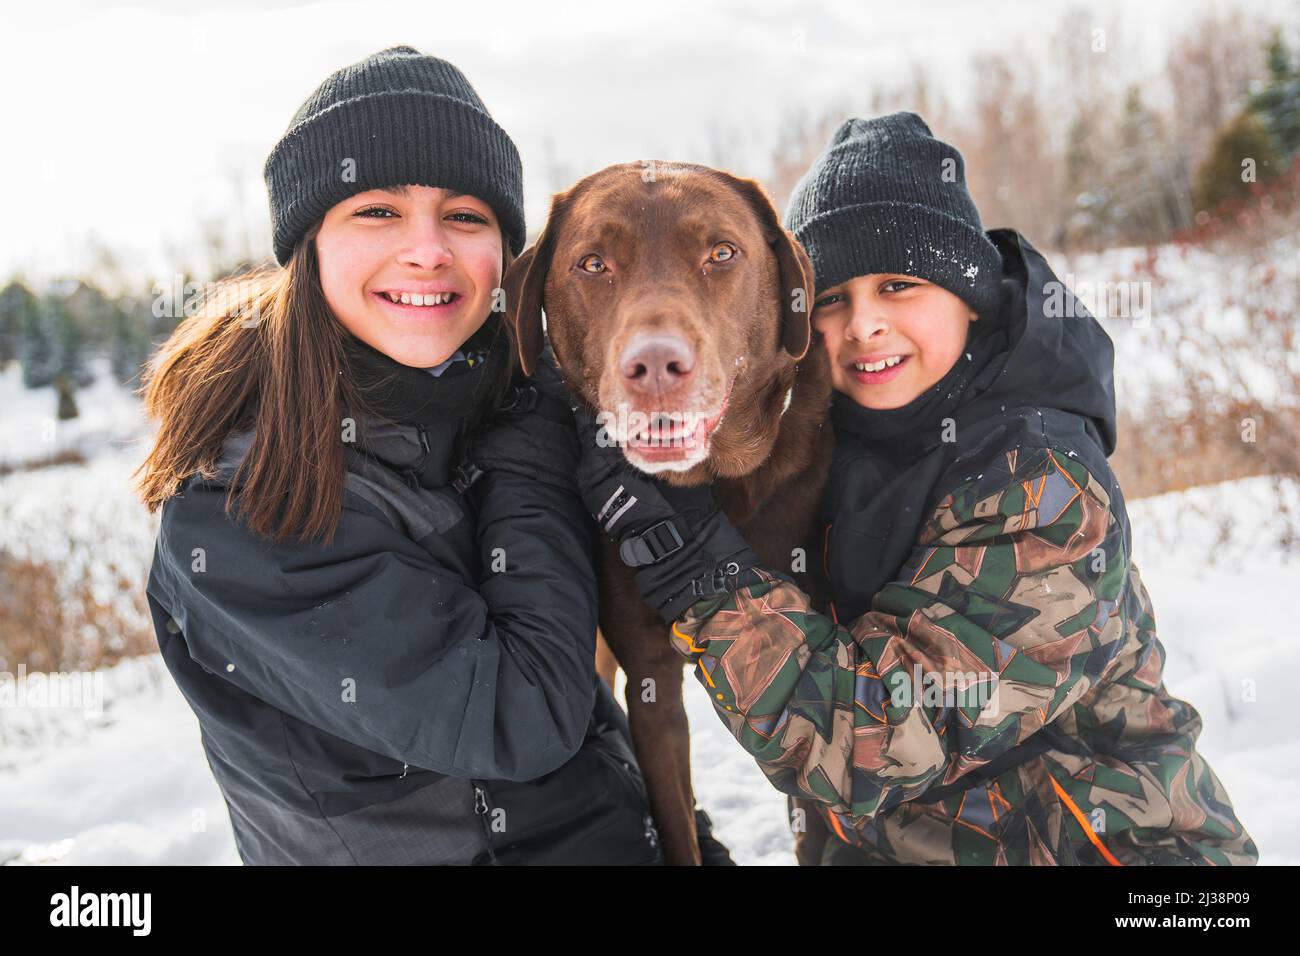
x,y
656,362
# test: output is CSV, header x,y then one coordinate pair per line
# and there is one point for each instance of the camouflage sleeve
x,y
999,621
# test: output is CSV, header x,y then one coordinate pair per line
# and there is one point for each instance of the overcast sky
x,y
133,126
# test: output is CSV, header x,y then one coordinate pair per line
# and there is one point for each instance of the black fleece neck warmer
x,y
406,395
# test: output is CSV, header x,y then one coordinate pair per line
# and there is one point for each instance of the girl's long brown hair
x,y
263,352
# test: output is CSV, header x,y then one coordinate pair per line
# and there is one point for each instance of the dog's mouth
x,y
676,429
669,440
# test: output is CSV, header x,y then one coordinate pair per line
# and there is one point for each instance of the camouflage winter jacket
x,y
1016,607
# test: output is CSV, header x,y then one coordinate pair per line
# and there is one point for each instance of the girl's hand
x,y
532,432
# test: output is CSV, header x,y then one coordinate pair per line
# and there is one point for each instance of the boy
x,y
987,688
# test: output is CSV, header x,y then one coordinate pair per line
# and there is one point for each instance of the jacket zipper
x,y
481,808
412,474
481,805
624,771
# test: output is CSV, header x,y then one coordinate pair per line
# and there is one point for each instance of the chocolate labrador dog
x,y
677,305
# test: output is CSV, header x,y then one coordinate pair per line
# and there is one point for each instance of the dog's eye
x,y
592,263
722,252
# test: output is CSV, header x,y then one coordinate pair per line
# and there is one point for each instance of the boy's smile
x,y
890,337
876,369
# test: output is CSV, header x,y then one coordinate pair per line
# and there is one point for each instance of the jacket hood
x,y
1058,355
1040,348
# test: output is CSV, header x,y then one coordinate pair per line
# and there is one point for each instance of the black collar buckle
x,y
652,545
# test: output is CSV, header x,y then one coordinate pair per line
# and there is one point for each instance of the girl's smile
x,y
428,304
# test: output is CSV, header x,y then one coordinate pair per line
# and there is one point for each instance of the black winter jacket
x,y
421,690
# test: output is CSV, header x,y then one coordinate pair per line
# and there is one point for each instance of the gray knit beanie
x,y
398,117
885,196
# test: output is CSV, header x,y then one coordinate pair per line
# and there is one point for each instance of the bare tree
x,y
1209,71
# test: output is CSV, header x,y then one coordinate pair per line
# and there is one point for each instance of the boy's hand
x,y
681,544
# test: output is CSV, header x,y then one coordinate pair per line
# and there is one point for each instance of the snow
x,y
130,788
1196,312
30,430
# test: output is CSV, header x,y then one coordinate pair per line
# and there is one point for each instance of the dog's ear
x,y
796,269
525,283
523,287
797,290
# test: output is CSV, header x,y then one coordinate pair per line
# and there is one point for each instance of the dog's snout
x,y
656,362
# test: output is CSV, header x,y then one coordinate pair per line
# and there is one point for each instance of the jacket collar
x,y
425,455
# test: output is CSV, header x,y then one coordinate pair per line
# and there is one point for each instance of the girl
x,y
987,687
389,647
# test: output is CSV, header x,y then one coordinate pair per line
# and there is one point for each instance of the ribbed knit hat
x,y
885,196
398,117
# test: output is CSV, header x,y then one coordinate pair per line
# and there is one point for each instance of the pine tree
x,y
36,349
1278,103
1145,184
129,345
71,360
17,304
1220,178
1089,214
